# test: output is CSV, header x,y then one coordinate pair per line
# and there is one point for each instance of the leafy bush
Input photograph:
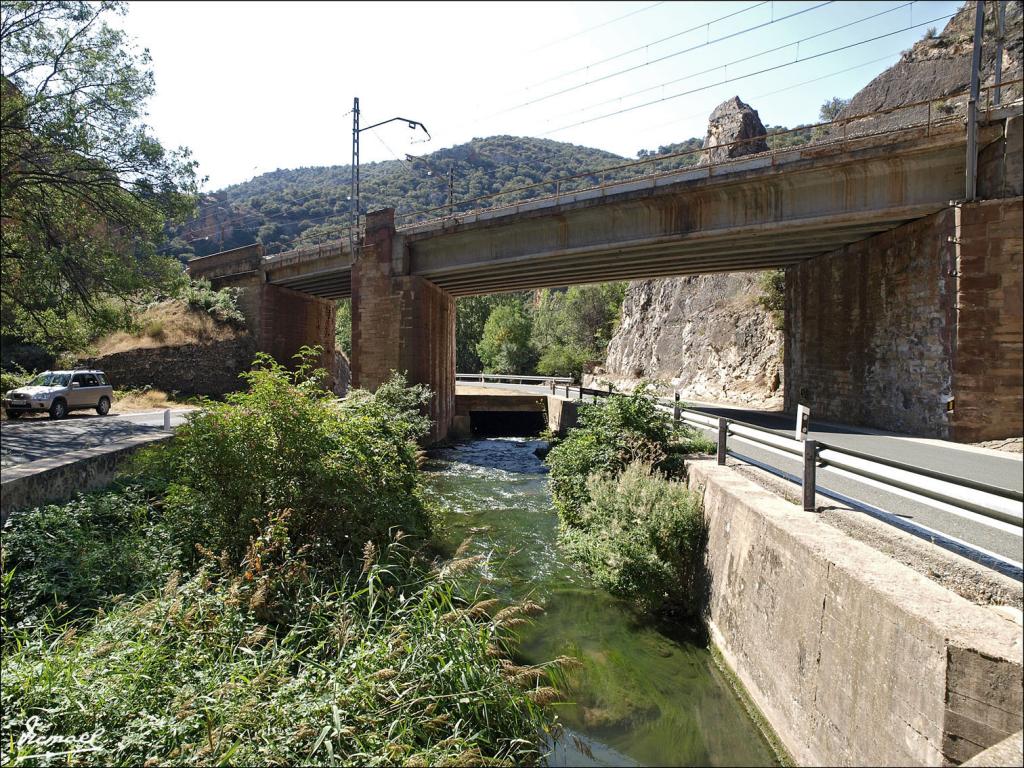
x,y
641,537
82,553
610,434
221,305
346,471
14,377
388,667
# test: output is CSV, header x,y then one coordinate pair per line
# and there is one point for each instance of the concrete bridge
x,y
787,208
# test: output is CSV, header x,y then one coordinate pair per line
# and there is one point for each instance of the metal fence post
x,y
723,433
675,409
810,472
552,382
566,391
167,419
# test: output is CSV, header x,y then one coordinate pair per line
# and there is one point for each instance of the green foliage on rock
x,y
86,190
221,304
773,295
343,327
641,537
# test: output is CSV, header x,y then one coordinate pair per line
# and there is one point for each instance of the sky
x,y
251,87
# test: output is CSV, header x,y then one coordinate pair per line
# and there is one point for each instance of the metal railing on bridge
x,y
501,378
990,505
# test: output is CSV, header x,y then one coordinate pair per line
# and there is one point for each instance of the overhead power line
x,y
647,45
658,60
597,26
743,77
740,60
753,98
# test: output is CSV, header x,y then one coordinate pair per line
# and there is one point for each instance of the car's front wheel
x,y
103,408
13,414
58,410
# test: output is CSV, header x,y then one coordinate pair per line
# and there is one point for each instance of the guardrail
x,y
501,378
994,506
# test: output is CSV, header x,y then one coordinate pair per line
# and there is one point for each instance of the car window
x,y
89,380
50,379
79,379
101,379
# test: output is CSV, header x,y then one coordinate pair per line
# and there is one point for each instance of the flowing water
x,y
645,695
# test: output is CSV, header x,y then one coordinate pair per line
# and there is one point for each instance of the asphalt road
x,y
31,439
988,466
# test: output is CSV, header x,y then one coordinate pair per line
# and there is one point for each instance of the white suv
x,y
59,392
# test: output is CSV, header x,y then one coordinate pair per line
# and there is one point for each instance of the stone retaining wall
x,y
210,369
854,658
49,481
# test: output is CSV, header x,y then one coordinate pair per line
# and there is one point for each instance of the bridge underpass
x,y
778,209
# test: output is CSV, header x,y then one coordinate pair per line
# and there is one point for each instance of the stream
x,y
646,695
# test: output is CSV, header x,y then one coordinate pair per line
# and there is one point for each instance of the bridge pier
x,y
915,330
401,322
280,319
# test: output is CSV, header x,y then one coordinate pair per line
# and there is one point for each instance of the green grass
x,y
389,667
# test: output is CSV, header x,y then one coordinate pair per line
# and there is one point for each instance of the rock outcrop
x,y
704,336
939,67
733,121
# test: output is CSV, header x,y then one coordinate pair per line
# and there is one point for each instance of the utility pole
x,y
972,104
354,220
1000,34
356,130
451,190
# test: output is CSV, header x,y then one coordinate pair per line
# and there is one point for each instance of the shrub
x,y
221,305
641,537
14,377
81,553
346,471
610,434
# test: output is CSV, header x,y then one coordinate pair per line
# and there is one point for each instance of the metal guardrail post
x,y
167,419
723,434
566,391
810,474
675,409
552,383
609,387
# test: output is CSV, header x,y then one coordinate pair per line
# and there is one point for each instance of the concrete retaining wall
x,y
854,658
48,481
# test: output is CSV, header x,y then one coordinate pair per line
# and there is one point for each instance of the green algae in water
x,y
645,695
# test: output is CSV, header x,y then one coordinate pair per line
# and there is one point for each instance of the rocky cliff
x,y
707,337
704,336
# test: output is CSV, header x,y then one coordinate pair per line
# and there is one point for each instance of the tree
x,y
572,328
471,313
505,346
830,109
85,189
